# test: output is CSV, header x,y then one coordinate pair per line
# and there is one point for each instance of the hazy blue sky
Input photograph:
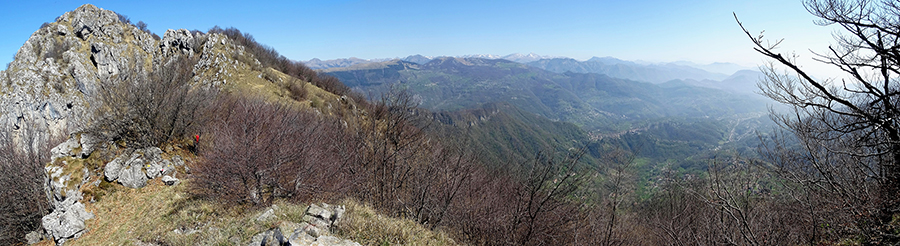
x,y
656,31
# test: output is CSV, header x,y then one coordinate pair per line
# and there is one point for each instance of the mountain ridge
x,y
598,99
640,71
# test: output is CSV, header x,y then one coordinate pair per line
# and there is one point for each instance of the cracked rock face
x,y
61,64
55,74
62,189
177,40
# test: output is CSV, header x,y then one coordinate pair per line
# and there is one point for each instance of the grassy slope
x,y
167,214
170,215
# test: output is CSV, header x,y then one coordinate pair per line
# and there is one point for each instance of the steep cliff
x,y
56,72
51,88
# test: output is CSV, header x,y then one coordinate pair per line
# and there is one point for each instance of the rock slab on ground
x,y
133,168
314,229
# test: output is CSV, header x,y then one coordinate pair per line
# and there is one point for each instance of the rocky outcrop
x,y
314,228
57,68
78,145
221,59
169,180
56,72
54,76
67,220
66,175
133,168
177,40
52,83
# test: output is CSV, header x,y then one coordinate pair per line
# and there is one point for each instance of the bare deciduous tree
x,y
393,144
847,128
541,214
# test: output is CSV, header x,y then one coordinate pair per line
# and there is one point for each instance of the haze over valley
x,y
621,123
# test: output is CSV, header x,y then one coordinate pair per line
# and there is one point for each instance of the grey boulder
x,y
67,220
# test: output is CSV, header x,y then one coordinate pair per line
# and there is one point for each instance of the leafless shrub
x,y
437,184
142,26
123,18
150,108
22,177
297,89
393,144
738,203
258,151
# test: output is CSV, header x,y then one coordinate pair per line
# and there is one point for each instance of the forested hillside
x,y
592,101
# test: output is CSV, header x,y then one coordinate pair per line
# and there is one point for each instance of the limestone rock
x,y
323,216
85,142
67,220
333,241
132,175
272,237
113,168
34,237
88,144
169,180
268,215
105,60
133,168
64,149
315,228
177,40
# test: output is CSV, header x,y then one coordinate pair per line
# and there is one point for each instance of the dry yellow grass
x,y
166,215
364,225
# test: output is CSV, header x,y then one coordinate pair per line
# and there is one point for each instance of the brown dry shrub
x,y
256,151
150,108
22,177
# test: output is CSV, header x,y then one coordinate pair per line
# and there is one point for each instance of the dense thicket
x,y
256,151
22,177
149,108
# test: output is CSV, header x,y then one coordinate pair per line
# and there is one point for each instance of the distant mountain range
x,y
315,63
653,73
656,73
591,100
742,82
